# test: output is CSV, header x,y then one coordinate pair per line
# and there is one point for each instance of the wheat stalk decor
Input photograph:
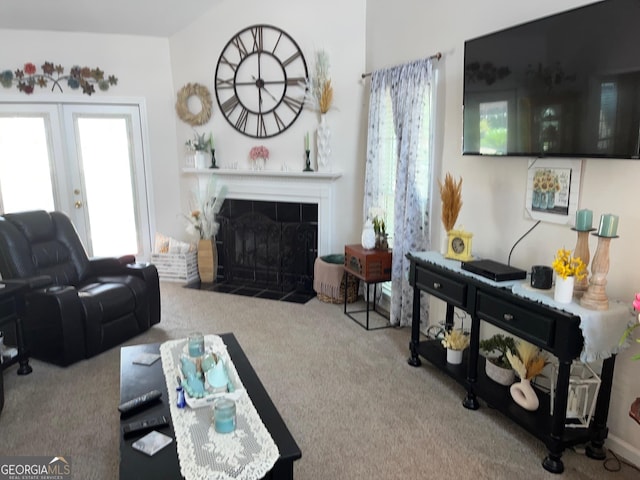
x,y
326,97
451,196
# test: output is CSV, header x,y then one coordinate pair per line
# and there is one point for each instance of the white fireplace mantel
x,y
283,186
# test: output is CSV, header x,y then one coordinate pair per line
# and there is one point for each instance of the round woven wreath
x,y
182,104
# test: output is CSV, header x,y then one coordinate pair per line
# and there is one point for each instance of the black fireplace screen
x,y
271,245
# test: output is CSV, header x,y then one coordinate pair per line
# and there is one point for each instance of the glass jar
x,y
196,344
224,415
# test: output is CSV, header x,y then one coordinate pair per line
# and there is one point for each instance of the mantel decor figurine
x,y
213,153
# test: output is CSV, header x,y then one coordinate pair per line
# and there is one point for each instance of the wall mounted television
x,y
567,85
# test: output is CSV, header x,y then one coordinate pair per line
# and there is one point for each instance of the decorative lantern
x,y
584,385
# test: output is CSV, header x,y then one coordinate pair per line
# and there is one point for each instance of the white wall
x,y
494,189
335,26
141,65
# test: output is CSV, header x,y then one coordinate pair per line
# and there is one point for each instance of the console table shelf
x,y
497,396
551,327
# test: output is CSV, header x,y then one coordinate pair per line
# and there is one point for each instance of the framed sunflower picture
x,y
553,190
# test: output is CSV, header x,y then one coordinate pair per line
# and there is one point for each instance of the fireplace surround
x,y
289,210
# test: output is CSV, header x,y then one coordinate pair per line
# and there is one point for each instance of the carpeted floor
x,y
351,401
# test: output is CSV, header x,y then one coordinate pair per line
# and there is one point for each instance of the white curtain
x,y
410,89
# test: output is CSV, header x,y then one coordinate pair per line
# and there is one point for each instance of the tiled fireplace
x,y
273,226
268,245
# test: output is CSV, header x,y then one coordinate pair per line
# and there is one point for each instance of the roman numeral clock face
x,y
260,81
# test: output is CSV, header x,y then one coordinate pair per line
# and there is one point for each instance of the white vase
x,y
324,144
563,292
202,159
524,395
368,238
454,356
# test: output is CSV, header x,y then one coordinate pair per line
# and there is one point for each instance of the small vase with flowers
x,y
568,269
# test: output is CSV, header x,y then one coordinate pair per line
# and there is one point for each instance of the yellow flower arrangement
x,y
455,340
567,266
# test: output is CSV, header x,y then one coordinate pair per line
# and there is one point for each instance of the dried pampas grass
x,y
528,362
451,196
319,93
326,97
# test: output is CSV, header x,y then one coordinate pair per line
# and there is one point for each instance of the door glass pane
x,y
106,170
25,172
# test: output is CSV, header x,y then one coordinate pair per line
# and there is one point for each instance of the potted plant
x,y
200,145
497,367
455,341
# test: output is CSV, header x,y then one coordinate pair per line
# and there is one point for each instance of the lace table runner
x,y
248,453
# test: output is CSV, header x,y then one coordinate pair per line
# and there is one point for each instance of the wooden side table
x,y
372,266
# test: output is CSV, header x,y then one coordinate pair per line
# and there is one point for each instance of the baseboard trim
x,y
623,449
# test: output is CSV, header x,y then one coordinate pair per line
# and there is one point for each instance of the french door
x,y
84,160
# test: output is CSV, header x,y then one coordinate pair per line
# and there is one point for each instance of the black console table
x,y
555,331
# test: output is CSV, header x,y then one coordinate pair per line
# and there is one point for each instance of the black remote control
x,y
138,402
144,425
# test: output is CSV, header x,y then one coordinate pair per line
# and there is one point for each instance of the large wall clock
x,y
260,81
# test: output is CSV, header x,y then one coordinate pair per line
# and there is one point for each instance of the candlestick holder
x,y
582,251
213,159
308,168
595,298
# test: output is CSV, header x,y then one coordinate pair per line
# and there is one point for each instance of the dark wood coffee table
x,y
138,379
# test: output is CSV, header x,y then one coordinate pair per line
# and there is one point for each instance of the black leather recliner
x,y
76,307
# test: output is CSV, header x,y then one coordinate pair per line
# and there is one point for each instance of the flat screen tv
x,y
567,85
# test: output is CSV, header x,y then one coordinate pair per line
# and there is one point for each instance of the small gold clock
x,y
459,245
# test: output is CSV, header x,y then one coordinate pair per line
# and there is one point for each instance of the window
x,y
493,127
607,117
388,155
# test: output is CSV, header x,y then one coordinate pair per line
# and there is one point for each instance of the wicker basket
x,y
352,291
176,267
